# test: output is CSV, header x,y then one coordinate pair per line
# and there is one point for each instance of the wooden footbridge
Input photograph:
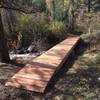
x,y
36,76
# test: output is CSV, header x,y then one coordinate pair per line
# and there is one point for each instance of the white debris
x,y
13,56
27,55
99,78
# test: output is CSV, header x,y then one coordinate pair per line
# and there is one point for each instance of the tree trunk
x,y
89,5
4,56
9,21
51,8
71,15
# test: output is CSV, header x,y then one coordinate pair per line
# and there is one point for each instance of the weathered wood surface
x,y
35,76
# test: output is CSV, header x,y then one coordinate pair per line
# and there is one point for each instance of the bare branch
x,y
14,6
22,10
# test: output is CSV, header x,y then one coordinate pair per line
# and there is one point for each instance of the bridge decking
x,y
35,76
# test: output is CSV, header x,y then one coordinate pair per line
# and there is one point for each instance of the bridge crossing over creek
x,y
36,76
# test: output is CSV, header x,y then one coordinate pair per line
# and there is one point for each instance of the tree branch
x,y
14,6
22,10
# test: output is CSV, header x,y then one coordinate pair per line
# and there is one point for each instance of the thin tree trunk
x,y
89,5
71,15
4,56
51,8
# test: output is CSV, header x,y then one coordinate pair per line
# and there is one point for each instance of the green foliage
x,y
40,27
57,27
91,26
56,30
31,27
40,24
28,23
40,3
24,22
59,10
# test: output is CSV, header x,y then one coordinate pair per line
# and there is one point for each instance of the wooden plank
x,y
35,76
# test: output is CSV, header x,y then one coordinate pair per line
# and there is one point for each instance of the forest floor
x,y
80,82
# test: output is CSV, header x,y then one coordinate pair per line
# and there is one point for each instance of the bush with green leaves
x,y
24,22
56,30
31,26
40,3
39,27
33,23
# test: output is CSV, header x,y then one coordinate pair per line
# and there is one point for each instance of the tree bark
x,y
8,21
51,8
4,55
71,15
89,5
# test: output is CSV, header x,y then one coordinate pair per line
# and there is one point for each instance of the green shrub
x,y
39,27
39,3
57,28
40,24
31,23
31,27
24,22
